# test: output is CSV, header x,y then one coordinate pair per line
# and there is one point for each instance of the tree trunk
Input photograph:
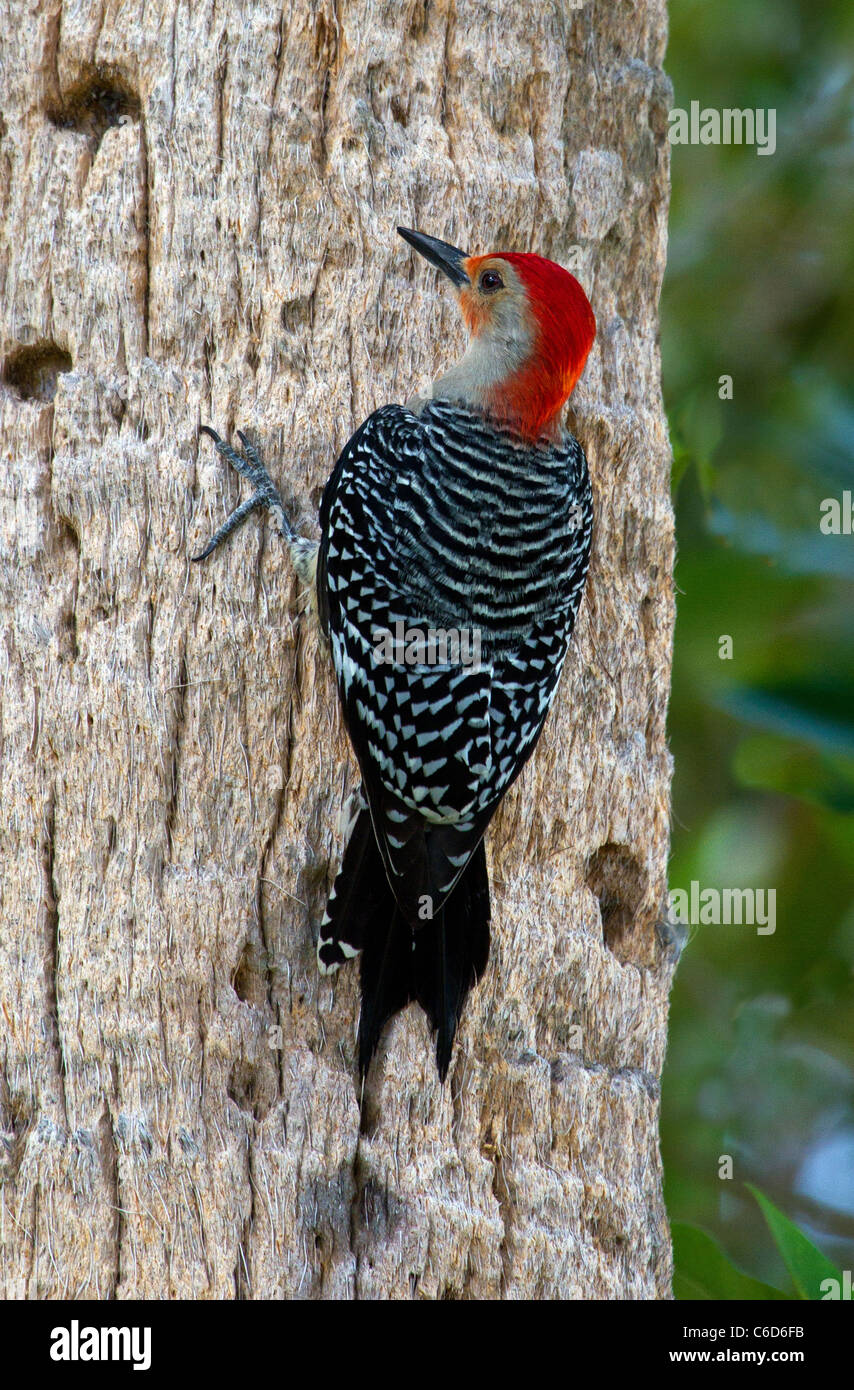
x,y
198,213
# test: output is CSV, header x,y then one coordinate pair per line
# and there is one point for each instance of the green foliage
x,y
760,288
808,1267
703,1271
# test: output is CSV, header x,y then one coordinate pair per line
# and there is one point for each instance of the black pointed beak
x,y
441,254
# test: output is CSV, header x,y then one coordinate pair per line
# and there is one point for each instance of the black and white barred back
x,y
439,523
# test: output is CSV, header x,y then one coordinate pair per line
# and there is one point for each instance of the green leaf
x,y
804,1261
772,762
703,1271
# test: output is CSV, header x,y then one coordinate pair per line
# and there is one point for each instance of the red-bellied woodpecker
x,y
455,539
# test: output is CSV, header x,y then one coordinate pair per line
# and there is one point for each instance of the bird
x,y
455,534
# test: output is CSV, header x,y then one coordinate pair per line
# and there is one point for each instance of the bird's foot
x,y
266,494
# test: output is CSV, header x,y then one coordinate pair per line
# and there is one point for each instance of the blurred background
x,y
759,286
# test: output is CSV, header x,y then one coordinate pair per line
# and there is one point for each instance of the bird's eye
x,y
490,281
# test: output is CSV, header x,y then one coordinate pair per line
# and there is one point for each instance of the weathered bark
x,y
198,211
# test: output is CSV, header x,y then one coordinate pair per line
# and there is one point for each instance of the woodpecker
x,y
454,545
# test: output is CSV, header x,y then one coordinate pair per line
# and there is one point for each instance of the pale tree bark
x,y
198,212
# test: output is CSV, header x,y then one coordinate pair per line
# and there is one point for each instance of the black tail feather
x,y
451,953
386,977
360,896
437,965
436,962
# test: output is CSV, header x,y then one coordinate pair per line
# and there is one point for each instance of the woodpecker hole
x,y
69,539
33,372
618,881
94,104
249,984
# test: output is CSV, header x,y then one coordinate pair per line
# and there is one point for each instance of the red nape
x,y
533,396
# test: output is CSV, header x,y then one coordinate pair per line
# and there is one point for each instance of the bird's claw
x,y
266,494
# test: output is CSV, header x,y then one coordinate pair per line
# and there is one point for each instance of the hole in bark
x,y
95,103
105,830
618,881
369,1116
295,312
246,1089
33,372
245,976
68,536
253,1083
69,647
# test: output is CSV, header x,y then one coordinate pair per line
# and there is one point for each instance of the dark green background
x,y
759,286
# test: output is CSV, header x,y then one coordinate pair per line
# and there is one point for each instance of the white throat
x,y
487,362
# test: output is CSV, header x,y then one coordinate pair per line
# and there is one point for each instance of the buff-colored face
x,y
495,304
